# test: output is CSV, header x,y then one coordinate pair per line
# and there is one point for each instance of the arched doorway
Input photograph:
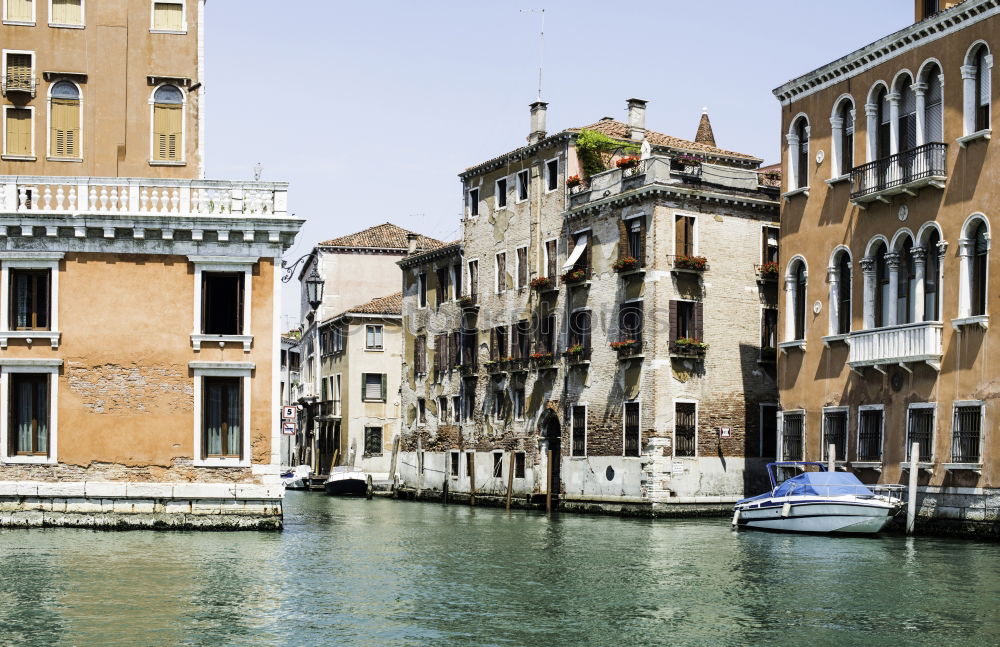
x,y
552,432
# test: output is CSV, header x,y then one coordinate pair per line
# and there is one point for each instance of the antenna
x,y
541,47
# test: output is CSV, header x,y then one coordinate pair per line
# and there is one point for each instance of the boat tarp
x,y
823,484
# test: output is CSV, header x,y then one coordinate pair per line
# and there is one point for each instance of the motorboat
x,y
820,502
346,480
297,478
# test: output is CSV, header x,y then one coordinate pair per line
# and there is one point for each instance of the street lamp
x,y
314,288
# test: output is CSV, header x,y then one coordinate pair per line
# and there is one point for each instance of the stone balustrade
x,y
879,347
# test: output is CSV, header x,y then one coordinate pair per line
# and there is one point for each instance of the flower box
x,y
688,347
767,271
573,181
493,366
627,162
574,276
692,263
541,283
688,160
578,353
542,359
467,301
626,347
626,264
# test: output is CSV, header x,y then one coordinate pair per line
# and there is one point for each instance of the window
x,y
906,124
28,434
420,355
979,242
632,434
520,348
168,16
834,433
842,124
517,399
324,391
579,422
222,416
222,303
473,202
630,321
64,120
795,300
498,343
768,430
769,245
519,465
522,267
933,105
501,193
870,434
167,143
906,282
685,428
456,281
30,303
501,266
373,441
65,13
634,239
920,430
932,278
880,287
798,154
441,293
579,329
579,253
443,413
497,465
769,328
19,131
792,434
19,12
373,387
840,294
967,433
474,280
686,319
977,89
337,395
456,407
421,411
469,398
684,236
454,459
470,349
422,290
546,340
551,259
440,356
552,175
373,337
19,72
522,186
499,400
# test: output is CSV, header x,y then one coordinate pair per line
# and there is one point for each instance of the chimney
x,y
411,244
537,133
637,119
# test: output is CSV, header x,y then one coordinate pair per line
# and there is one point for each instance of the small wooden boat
x,y
820,502
346,480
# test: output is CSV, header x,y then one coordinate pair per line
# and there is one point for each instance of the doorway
x,y
553,433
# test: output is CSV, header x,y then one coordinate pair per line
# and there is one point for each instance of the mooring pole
x,y
420,467
831,458
395,455
510,478
548,481
472,478
911,503
444,491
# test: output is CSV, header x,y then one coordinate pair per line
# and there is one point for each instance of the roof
x,y
388,305
384,236
619,130
447,249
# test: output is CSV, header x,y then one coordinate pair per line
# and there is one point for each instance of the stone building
x,y
354,269
601,321
139,354
886,218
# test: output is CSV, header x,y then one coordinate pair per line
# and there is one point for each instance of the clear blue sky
x,y
370,109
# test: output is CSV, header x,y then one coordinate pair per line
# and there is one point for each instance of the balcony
x,y
19,83
904,172
904,344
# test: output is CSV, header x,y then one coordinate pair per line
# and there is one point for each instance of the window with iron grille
x,y
685,429
373,441
920,430
792,428
632,433
966,435
870,435
835,433
579,431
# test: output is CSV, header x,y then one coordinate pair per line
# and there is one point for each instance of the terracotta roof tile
x,y
390,305
384,236
619,130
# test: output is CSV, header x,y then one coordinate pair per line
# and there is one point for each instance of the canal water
x,y
386,573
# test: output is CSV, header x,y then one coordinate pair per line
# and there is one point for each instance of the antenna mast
x,y
541,47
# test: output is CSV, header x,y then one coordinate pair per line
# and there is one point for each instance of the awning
x,y
578,249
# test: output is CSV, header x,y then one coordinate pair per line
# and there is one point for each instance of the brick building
x,y
604,308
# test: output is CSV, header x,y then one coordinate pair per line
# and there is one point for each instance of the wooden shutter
x,y
18,140
623,240
641,252
494,351
384,387
699,318
553,258
453,350
587,254
673,321
66,12
168,16
167,132
64,139
19,10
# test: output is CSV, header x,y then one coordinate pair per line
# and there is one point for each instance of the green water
x,y
385,573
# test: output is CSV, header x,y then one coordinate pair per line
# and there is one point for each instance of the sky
x,y
371,109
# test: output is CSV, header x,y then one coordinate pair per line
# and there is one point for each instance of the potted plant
x,y
696,263
466,300
541,358
687,160
627,162
626,264
541,283
573,181
768,270
575,351
625,346
689,346
574,276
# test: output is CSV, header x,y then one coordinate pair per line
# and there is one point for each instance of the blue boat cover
x,y
823,484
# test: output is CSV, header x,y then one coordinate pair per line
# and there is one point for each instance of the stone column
x,y
868,268
893,261
965,250
871,115
893,98
833,278
793,162
836,145
920,90
791,305
919,255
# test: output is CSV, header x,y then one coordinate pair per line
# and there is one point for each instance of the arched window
x,y
933,105
906,282
64,120
977,279
840,293
168,124
795,301
882,304
976,80
906,123
932,278
883,146
842,126
798,154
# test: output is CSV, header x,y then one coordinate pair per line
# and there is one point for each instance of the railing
x,y
889,173
916,342
112,196
19,83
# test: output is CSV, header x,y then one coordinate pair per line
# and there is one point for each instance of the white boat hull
x,y
817,516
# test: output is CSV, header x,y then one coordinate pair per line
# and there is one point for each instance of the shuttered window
x,y
551,259
420,355
17,140
579,329
684,235
632,434
167,121
501,271
907,117
19,72
686,320
64,139
373,387
66,12
20,11
522,267
933,108
983,89
168,16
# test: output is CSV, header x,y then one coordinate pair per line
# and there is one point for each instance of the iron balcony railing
x,y
19,83
922,163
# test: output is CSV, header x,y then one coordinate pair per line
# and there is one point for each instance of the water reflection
x,y
392,573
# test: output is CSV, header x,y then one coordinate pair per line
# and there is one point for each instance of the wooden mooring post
x,y
510,479
831,458
420,467
472,479
548,481
911,492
